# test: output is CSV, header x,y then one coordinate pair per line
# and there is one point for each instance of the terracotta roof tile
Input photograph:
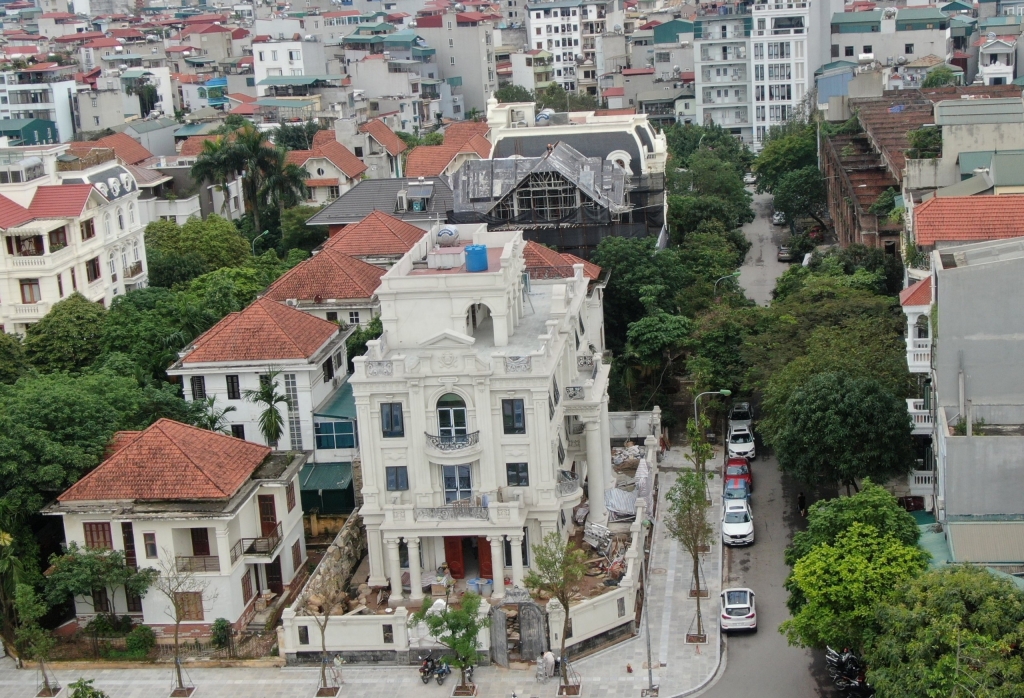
x,y
537,256
325,182
383,135
322,138
241,97
340,156
12,214
193,145
60,200
170,461
969,218
244,109
429,160
125,147
328,274
614,92
461,131
377,234
265,331
917,294
590,270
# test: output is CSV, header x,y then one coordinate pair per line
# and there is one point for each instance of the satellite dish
x,y
991,36
901,60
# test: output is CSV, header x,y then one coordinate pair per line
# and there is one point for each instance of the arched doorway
x,y
451,418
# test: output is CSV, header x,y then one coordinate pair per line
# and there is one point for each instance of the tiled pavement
x,y
678,667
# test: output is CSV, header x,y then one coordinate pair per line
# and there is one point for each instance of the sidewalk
x,y
678,668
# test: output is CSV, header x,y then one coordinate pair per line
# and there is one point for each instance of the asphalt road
x,y
762,267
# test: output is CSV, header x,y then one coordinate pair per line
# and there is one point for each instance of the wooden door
x,y
268,514
483,553
453,556
200,542
273,570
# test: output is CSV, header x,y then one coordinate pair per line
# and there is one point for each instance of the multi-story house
x,y
375,143
997,55
219,508
569,29
482,409
464,42
533,69
69,225
332,169
41,91
276,57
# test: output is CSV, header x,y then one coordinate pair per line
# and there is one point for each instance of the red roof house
x,y
328,274
377,234
968,219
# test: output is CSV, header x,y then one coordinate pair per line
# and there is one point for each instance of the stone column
x,y
394,569
595,474
498,565
375,551
415,581
517,560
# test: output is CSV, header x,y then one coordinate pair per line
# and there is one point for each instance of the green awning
x,y
342,405
189,130
135,73
325,476
198,60
296,79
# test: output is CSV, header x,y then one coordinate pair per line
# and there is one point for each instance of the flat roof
x,y
341,405
325,476
966,112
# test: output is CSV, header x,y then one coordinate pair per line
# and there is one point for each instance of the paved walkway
x,y
678,667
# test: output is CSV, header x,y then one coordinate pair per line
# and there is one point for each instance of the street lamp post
x,y
727,276
696,416
265,232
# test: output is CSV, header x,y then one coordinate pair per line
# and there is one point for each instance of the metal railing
x,y
454,442
197,563
133,270
451,512
568,482
264,545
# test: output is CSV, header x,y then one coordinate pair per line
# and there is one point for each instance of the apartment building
x,y
464,42
220,508
481,413
41,91
273,57
892,36
70,224
533,69
569,29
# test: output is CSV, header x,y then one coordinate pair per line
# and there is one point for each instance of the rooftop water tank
x,y
476,258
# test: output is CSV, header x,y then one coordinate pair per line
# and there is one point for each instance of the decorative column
x,y
595,474
375,551
516,543
415,581
498,565
394,569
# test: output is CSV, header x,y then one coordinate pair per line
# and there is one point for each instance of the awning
x,y
296,79
190,130
135,73
286,103
325,476
342,405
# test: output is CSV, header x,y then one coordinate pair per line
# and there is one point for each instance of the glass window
x,y
513,415
525,547
341,434
30,292
92,269
328,370
238,431
451,416
303,634
517,474
120,218
397,478
198,387
458,485
234,387
289,496
149,541
353,317
98,536
392,426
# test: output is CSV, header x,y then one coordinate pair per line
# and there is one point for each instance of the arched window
x,y
107,224
120,218
135,250
131,213
451,416
112,263
124,258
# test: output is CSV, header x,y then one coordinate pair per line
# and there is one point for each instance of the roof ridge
x,y
159,426
262,307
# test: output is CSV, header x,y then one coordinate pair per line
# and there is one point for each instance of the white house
x,y
482,409
996,59
332,169
175,497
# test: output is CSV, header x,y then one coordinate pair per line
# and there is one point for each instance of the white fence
x,y
635,425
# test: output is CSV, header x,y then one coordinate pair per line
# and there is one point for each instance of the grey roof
x,y
964,112
971,186
1007,169
152,124
588,144
381,195
480,184
663,95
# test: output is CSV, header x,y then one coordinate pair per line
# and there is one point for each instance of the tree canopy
x,y
802,193
787,149
297,136
68,337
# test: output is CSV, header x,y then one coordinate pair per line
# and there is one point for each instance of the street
x,y
762,267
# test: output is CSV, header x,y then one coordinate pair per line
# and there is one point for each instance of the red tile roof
x,y
244,109
193,145
328,274
614,92
917,294
615,112
60,200
323,137
323,182
969,218
383,135
12,214
57,15
103,43
377,234
125,147
244,99
265,331
459,137
638,71
340,156
539,257
461,131
171,461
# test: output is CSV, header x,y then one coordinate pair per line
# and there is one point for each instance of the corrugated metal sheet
x,y
986,541
979,111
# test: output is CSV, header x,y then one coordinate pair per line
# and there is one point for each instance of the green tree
x,y
687,522
297,136
267,397
513,93
952,631
12,358
842,582
558,567
296,234
802,193
212,417
179,587
355,345
435,138
685,139
216,240
700,450
284,183
939,77
141,324
230,289
215,165
68,337
78,572
786,149
12,569
835,429
687,213
555,97
83,688
35,642
167,269
458,629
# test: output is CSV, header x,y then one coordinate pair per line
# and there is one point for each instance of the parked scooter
x,y
427,669
848,673
441,672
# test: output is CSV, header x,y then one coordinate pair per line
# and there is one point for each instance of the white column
x,y
517,560
498,565
378,575
595,475
415,582
395,569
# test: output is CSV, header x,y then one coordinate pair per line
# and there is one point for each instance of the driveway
x,y
761,267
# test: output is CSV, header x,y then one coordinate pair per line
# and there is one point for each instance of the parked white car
x,y
741,443
779,218
738,612
750,178
737,523
740,415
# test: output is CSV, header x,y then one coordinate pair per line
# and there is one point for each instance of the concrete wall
x,y
984,475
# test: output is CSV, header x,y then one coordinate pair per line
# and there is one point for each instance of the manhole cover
x,y
658,570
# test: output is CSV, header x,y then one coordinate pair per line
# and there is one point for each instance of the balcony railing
x,y
456,442
197,563
257,546
134,270
568,483
451,512
921,417
922,483
919,355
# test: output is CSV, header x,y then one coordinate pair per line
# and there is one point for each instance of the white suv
x,y
738,611
737,523
741,443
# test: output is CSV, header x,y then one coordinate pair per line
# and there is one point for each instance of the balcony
x,y
458,442
133,271
30,310
197,563
919,355
457,511
568,483
921,417
922,483
42,261
263,547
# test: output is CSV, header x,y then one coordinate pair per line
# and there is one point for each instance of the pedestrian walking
x,y
801,503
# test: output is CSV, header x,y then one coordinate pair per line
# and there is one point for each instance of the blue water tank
x,y
476,258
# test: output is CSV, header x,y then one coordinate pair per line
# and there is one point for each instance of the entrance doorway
x,y
274,580
468,557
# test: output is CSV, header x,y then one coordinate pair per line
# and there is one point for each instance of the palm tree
x,y
254,156
212,418
285,182
214,165
11,569
271,422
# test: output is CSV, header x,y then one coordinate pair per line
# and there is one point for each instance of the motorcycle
x,y
427,669
847,672
469,673
441,673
